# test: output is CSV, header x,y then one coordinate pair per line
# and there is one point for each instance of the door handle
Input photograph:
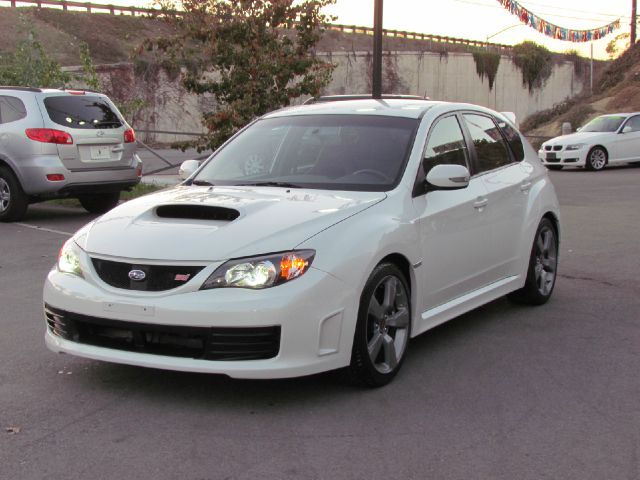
x,y
480,203
525,186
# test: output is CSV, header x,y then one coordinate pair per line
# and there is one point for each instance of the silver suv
x,y
63,143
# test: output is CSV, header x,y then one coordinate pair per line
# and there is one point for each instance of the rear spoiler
x,y
511,117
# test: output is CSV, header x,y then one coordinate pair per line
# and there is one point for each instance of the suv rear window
x,y
88,112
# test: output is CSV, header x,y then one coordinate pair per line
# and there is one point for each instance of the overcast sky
x,y
478,19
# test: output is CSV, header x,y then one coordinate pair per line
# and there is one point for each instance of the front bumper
x,y
567,158
316,316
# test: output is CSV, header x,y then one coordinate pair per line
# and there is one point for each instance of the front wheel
x,y
543,267
596,159
383,328
99,203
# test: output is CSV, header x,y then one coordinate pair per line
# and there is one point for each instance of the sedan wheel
x,y
543,267
384,326
596,159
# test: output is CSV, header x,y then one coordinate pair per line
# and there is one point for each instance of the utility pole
x,y
376,80
634,4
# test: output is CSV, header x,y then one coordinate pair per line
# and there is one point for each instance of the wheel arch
x,y
600,145
400,261
555,221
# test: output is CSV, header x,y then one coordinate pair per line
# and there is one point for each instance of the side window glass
x,y
513,139
11,109
633,125
490,147
446,145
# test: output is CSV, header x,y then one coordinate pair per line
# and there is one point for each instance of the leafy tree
x,y
251,56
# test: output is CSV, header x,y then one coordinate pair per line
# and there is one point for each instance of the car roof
x,y
407,108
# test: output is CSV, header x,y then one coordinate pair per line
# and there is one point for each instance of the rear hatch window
x,y
82,112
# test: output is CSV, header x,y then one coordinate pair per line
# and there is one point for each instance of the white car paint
x,y
622,145
463,248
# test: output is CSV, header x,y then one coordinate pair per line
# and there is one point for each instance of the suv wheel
x,y
13,200
101,203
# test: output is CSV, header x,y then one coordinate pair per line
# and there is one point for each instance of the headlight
x,y
577,146
261,272
68,259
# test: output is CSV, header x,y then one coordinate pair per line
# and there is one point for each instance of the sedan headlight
x,y
577,146
261,272
68,259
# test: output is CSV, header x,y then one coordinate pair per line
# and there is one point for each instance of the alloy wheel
x,y
388,321
597,158
546,260
5,195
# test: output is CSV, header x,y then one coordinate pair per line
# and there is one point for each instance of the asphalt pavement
x,y
503,392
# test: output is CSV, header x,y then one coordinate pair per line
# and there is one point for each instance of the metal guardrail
x,y
91,7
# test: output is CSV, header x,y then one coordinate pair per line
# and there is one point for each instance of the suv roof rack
x,y
21,89
341,98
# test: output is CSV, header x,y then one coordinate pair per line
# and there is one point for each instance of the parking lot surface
x,y
503,392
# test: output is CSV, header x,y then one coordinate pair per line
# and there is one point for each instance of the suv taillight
x,y
129,136
49,135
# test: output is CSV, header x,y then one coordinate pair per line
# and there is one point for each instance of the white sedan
x,y
319,237
605,140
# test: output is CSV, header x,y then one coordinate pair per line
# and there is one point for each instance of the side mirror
x,y
187,168
578,129
447,177
626,129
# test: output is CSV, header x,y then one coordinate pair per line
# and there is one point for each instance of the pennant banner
x,y
554,31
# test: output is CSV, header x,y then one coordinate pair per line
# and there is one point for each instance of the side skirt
x,y
435,316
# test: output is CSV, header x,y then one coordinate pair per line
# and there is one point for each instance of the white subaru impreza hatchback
x,y
319,237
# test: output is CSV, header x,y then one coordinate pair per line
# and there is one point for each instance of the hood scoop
x,y
197,212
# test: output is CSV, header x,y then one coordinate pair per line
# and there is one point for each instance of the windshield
x,y
335,152
604,124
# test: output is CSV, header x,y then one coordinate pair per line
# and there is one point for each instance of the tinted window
x,y
445,145
491,149
633,125
513,139
603,124
338,152
11,109
81,111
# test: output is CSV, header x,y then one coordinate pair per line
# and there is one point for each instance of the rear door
x,y
96,127
507,180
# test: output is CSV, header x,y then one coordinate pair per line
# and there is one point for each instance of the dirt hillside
x,y
617,90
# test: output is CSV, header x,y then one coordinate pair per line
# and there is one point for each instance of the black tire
x,y
543,267
384,324
13,200
99,203
597,159
554,167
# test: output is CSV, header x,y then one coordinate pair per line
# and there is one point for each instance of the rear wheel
x,y
554,167
383,328
543,267
596,159
13,200
99,203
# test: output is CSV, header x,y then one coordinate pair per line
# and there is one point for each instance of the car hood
x,y
578,137
198,224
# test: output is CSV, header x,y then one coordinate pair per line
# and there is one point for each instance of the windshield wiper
x,y
200,183
268,184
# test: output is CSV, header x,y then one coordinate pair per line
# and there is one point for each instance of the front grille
x,y
156,277
204,343
557,148
547,147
